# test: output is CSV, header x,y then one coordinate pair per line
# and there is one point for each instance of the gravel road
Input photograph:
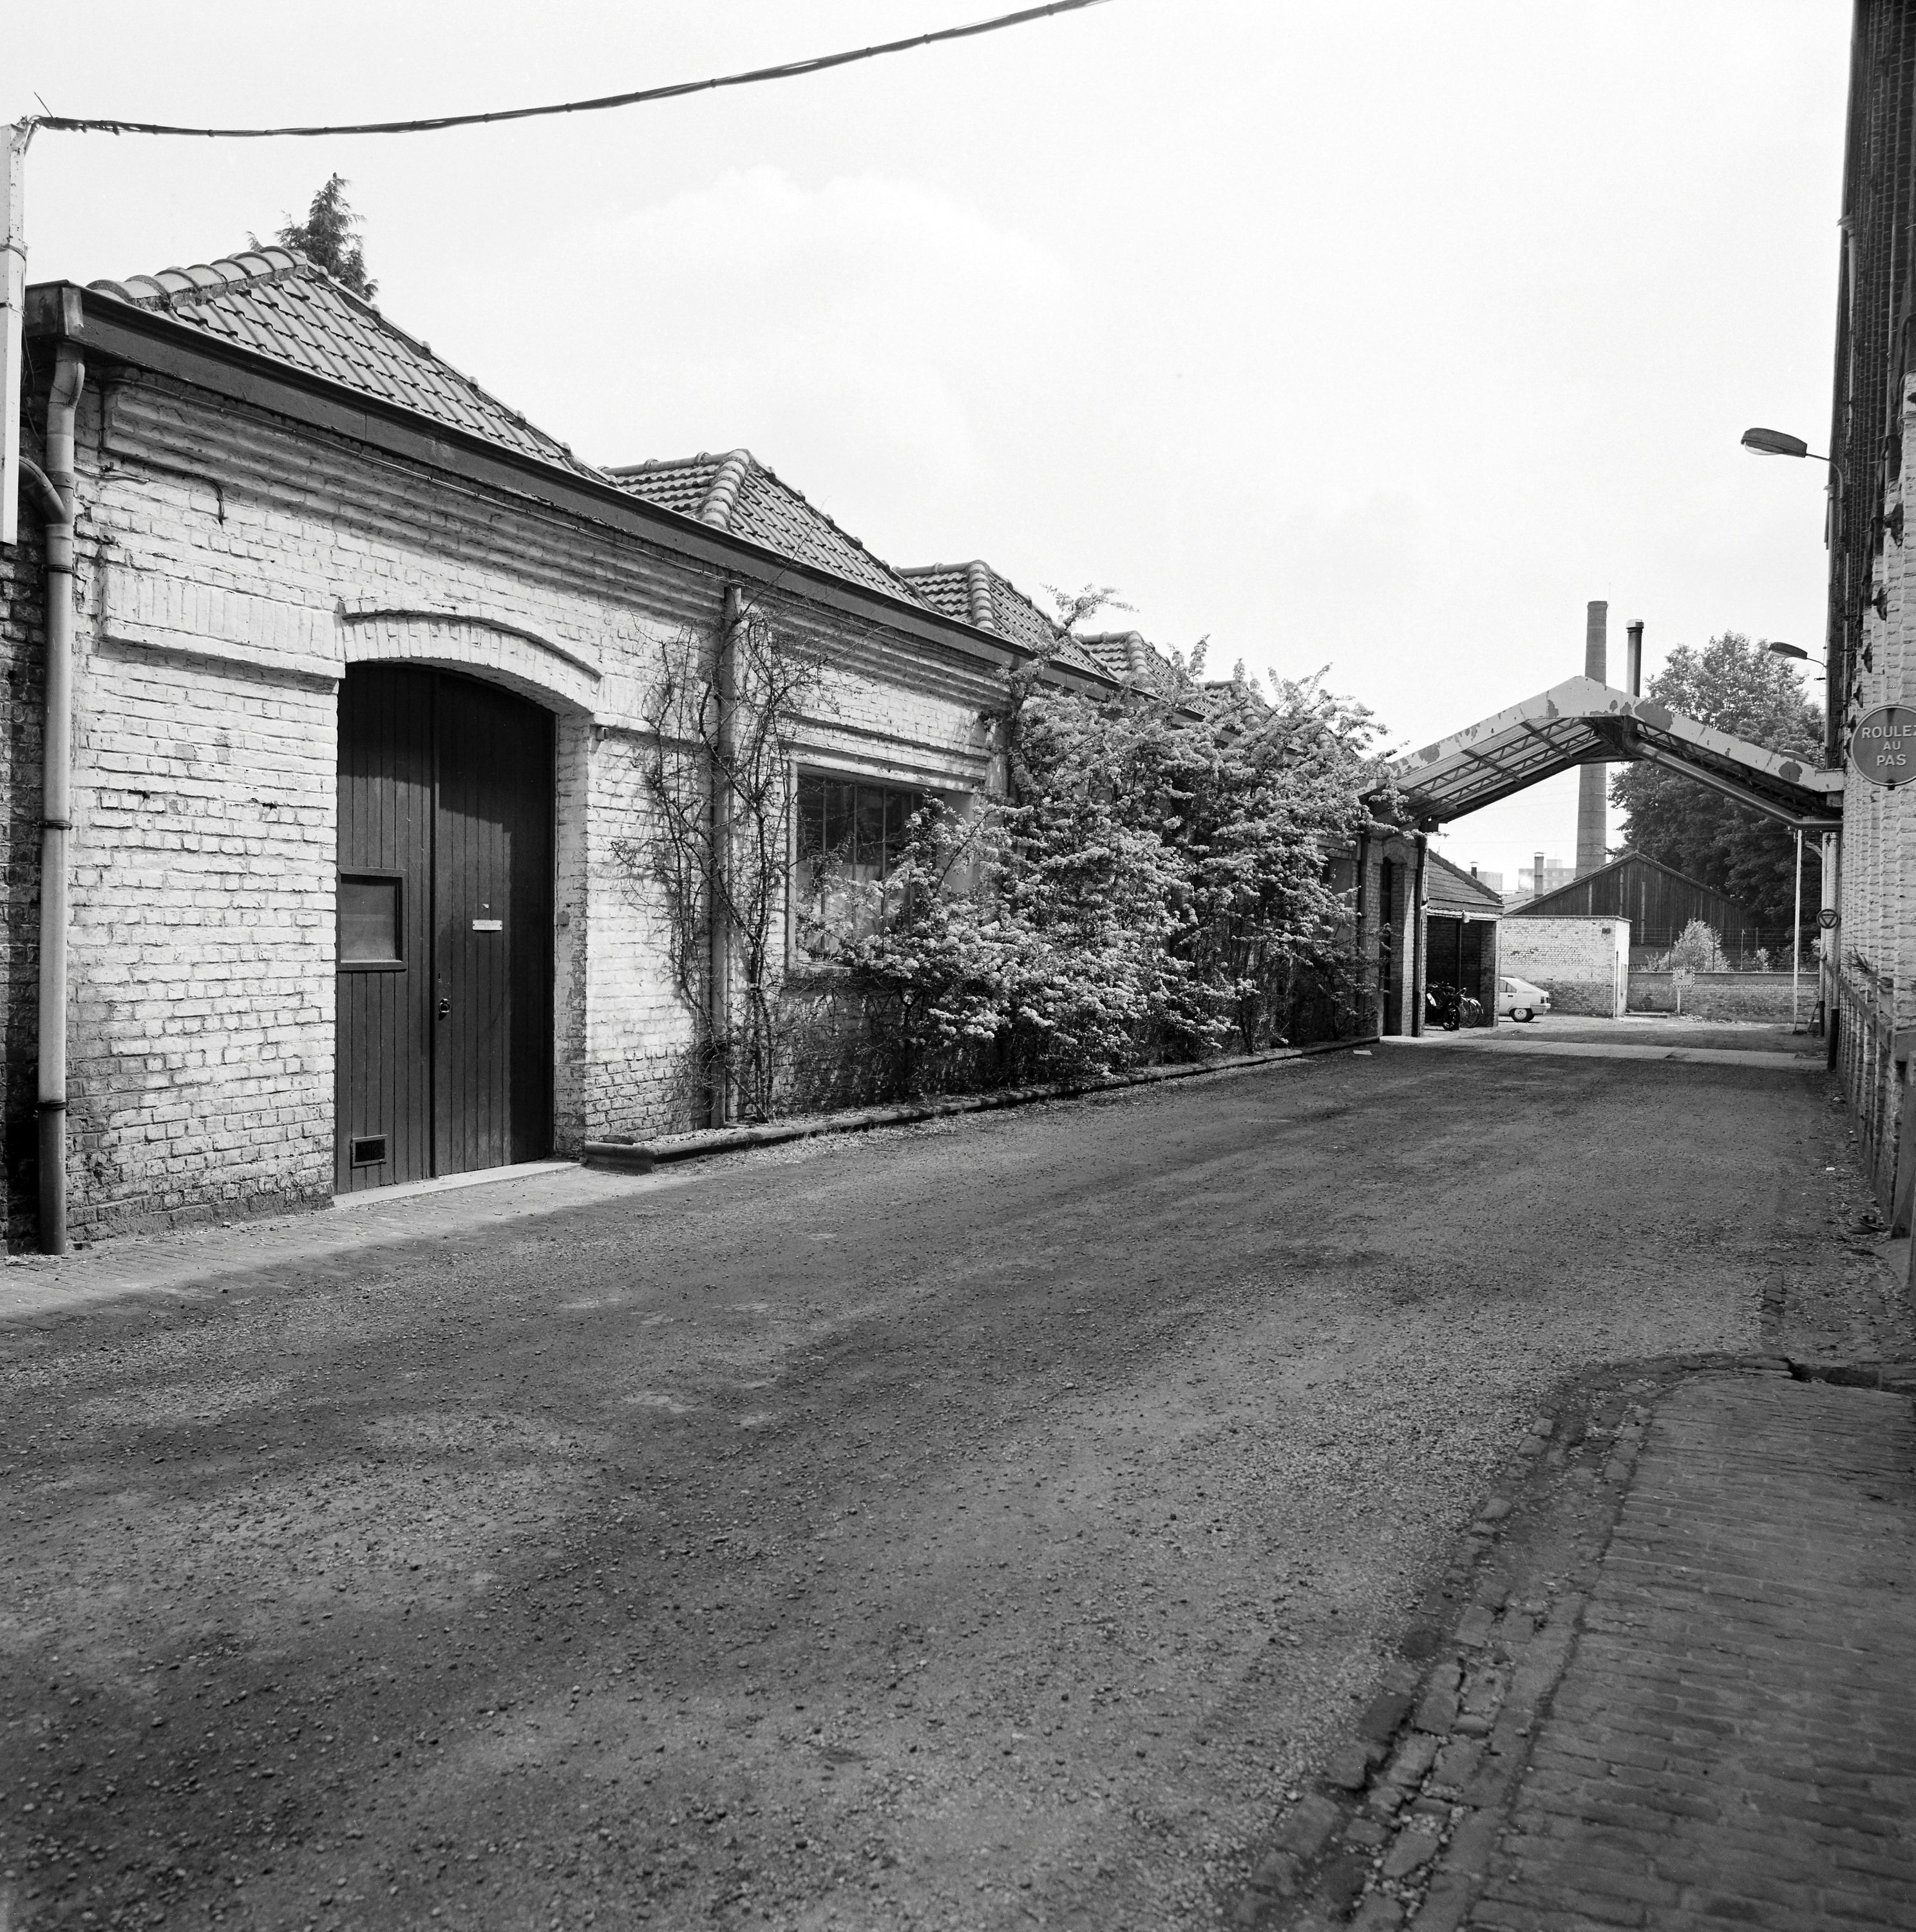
x,y
983,1524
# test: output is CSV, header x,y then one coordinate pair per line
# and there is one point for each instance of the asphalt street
x,y
982,1524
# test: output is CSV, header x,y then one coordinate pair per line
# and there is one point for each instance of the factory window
x,y
851,836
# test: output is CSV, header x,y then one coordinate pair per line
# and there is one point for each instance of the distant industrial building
x,y
1658,901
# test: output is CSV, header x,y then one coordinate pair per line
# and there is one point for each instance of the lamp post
x,y
1780,442
1796,653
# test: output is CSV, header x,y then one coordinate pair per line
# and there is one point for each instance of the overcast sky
x,y
1383,337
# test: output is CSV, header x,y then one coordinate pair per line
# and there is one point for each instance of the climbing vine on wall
x,y
714,772
1158,881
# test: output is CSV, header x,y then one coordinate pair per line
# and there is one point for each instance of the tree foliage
x,y
1160,880
327,237
1158,883
1699,949
1737,686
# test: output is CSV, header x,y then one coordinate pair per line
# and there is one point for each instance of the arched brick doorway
x,y
444,1038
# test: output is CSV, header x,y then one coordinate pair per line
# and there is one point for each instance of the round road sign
x,y
1826,918
1882,748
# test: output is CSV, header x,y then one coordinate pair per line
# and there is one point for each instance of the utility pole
x,y
13,305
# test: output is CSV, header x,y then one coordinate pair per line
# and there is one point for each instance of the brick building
x,y
1871,660
1462,916
1582,960
1658,902
361,660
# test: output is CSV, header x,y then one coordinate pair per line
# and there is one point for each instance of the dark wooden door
x,y
383,1044
444,1025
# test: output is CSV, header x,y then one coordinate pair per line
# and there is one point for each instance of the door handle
x,y
445,1010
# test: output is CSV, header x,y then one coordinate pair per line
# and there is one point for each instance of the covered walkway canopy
x,y
1581,722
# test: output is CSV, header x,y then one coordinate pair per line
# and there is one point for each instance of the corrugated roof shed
x,y
280,304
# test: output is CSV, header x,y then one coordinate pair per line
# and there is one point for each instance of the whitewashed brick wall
x,y
1582,963
1874,947
216,626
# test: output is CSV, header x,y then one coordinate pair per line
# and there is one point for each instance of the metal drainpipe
x,y
719,963
56,800
1420,926
1833,900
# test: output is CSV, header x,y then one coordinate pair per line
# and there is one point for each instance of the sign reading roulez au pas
x,y
1882,748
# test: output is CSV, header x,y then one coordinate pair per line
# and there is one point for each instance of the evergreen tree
x,y
1739,687
326,238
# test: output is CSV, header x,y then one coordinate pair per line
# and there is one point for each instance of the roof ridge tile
x,y
721,496
978,575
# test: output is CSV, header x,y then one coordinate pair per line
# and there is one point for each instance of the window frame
x,y
798,960
370,875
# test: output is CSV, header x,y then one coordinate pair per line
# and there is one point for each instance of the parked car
x,y
1520,999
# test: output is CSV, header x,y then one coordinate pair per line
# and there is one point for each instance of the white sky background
x,y
1383,337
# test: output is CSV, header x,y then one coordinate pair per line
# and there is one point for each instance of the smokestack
x,y
1635,685
1536,877
1592,782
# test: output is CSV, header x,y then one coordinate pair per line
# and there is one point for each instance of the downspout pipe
x,y
724,685
56,796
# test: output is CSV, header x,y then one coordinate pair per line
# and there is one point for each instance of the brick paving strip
x,y
1681,1696
1536,1047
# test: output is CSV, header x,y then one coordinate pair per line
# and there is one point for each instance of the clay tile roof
x,y
280,305
1461,886
737,493
1130,655
975,593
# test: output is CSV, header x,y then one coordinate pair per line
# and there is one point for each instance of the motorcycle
x,y
1451,1007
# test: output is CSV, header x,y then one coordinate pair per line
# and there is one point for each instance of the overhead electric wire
x,y
787,70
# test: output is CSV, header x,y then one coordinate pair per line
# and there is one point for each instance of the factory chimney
x,y
1592,781
1635,684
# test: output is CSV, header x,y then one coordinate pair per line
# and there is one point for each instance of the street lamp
x,y
1795,651
1780,442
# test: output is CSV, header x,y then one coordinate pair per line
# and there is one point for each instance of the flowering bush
x,y
1157,884
1698,949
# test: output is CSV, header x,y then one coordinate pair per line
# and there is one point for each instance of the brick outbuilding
x,y
351,870
360,660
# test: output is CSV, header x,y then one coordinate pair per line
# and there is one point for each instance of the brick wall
x,y
22,657
1872,955
231,566
1874,949
1581,962
1724,996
